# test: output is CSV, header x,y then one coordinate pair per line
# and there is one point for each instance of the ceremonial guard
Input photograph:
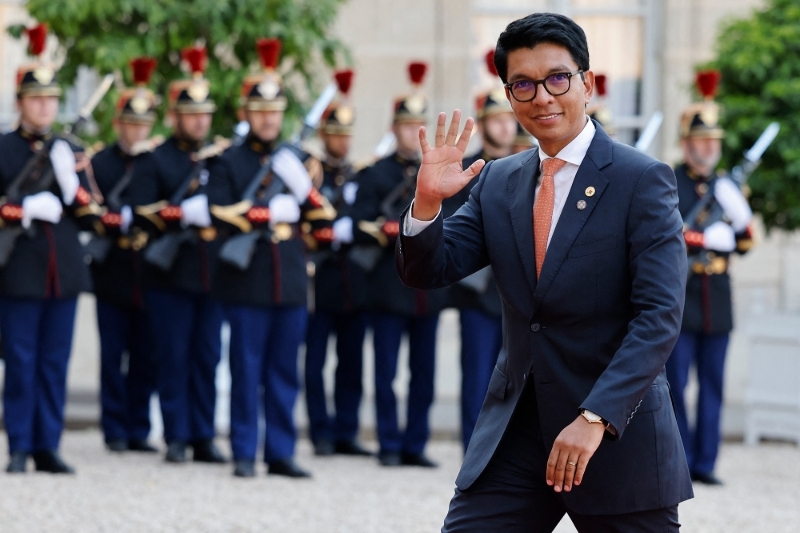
x,y
598,109
45,203
385,189
340,294
170,188
712,235
267,202
127,367
522,141
476,296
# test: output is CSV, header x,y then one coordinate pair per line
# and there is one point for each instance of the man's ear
x,y
588,85
240,115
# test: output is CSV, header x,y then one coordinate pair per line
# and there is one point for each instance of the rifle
x,y
649,132
238,250
17,192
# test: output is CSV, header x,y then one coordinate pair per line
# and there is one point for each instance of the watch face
x,y
591,417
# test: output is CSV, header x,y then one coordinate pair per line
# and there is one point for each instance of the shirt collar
x,y
576,150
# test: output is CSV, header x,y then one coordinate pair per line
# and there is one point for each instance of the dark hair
x,y
539,28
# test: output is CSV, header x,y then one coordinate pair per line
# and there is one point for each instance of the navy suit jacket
x,y
594,331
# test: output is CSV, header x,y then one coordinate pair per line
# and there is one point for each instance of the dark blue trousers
x,y
481,342
707,353
348,388
37,339
265,342
388,329
127,371
187,332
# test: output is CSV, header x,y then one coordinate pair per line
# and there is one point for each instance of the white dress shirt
x,y
573,154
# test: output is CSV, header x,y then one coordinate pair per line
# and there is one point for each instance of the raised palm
x,y
441,174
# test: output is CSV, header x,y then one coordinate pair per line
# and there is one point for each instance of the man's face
x,y
265,125
337,146
192,126
702,154
130,133
499,130
554,120
38,112
407,134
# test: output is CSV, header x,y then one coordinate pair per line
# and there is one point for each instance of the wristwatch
x,y
593,418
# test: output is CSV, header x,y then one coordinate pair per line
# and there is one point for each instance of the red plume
x,y
707,82
142,68
269,52
600,84
490,63
344,79
37,36
416,71
196,58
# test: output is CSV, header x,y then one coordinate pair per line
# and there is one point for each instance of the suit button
x,y
535,327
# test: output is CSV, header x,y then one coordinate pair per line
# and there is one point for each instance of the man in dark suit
x,y
584,238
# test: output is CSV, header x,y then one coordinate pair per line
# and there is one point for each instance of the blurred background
x,y
648,49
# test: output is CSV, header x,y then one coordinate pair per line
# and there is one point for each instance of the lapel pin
x,y
589,191
581,205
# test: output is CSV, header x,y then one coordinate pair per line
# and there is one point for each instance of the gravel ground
x,y
139,493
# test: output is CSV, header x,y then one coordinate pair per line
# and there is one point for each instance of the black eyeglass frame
x,y
543,83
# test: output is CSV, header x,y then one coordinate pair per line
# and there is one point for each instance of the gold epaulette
x,y
147,145
234,214
214,149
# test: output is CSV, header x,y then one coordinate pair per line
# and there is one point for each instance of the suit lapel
x,y
521,188
572,219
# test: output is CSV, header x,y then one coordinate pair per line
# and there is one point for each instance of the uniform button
x,y
535,327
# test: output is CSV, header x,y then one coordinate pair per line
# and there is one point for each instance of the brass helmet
x,y
192,95
339,116
701,119
413,107
138,104
264,91
599,110
37,78
495,101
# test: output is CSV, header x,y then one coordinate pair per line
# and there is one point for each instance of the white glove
x,y
292,172
719,237
349,192
343,230
127,217
41,206
734,203
194,212
284,208
63,160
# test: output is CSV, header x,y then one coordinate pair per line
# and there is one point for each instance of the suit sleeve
x,y
447,250
658,267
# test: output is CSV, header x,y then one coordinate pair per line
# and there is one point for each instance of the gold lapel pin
x,y
581,205
589,191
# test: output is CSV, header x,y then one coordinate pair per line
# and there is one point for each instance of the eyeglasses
x,y
555,84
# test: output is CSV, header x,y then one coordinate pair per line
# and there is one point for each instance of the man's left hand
x,y
571,452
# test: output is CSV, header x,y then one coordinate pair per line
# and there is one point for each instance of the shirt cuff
x,y
413,227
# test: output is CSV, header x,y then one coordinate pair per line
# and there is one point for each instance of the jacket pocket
x,y
498,384
594,247
652,400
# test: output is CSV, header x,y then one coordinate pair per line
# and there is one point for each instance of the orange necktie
x,y
543,209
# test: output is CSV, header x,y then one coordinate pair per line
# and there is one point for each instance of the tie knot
x,y
552,165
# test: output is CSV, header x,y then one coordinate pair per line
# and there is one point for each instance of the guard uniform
x,y
272,213
168,185
340,294
385,189
45,203
708,314
127,367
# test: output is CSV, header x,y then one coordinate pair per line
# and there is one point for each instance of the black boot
x,y
418,459
51,462
288,468
176,452
117,445
245,468
205,451
324,448
18,463
141,445
351,447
